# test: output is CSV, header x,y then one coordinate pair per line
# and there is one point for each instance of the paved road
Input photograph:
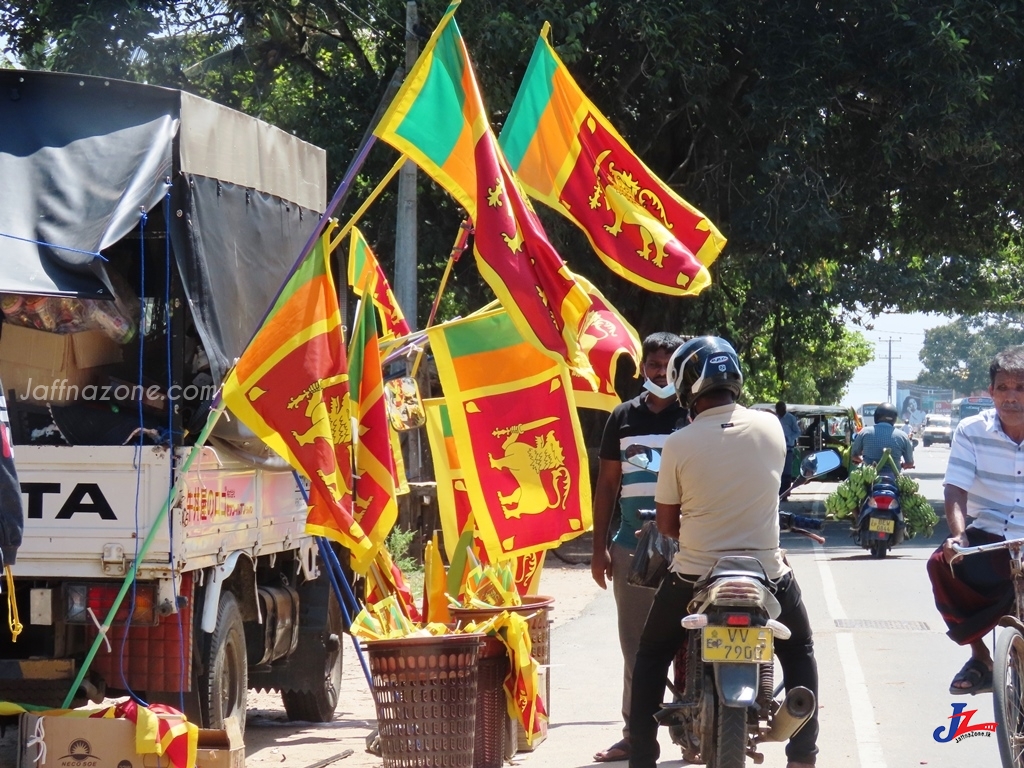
x,y
884,662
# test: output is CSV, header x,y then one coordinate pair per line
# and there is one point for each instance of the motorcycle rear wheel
x,y
731,737
1008,696
879,548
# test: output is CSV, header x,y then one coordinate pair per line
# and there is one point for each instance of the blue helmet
x,y
704,364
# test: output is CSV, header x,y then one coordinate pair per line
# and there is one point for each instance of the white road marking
x,y
869,744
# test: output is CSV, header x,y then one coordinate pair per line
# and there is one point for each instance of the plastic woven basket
x,y
425,693
537,608
492,720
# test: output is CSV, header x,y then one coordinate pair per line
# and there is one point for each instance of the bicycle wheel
x,y
1008,696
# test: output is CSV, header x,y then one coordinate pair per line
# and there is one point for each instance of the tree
x,y
958,355
852,152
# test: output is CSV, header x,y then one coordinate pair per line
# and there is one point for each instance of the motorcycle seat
x,y
733,566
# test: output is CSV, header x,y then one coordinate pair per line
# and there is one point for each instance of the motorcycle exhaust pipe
x,y
796,710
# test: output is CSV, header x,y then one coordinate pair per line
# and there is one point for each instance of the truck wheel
x,y
225,683
319,655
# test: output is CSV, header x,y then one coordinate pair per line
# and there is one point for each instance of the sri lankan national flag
x,y
513,420
290,387
438,120
454,508
376,508
605,336
569,156
364,270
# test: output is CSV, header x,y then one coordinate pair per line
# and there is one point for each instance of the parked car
x,y
937,429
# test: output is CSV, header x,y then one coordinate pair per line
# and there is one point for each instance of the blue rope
x,y
170,430
337,577
138,459
55,247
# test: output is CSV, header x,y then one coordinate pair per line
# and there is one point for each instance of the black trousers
x,y
662,637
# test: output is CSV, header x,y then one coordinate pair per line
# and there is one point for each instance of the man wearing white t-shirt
x,y
984,482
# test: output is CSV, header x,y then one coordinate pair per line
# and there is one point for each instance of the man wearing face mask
x,y
645,420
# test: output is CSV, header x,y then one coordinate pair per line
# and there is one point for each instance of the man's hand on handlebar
x,y
948,552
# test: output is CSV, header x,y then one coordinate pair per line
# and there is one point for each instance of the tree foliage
x,y
958,355
853,153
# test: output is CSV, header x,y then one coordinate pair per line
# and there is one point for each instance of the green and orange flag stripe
x,y
291,388
513,419
438,120
567,154
364,270
376,508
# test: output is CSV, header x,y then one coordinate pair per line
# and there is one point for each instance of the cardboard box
x,y
82,742
46,367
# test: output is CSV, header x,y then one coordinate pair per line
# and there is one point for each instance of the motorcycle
x,y
725,701
880,524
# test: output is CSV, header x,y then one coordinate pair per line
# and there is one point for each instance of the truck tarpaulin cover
x,y
80,157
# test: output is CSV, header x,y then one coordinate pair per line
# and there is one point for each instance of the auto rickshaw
x,y
821,427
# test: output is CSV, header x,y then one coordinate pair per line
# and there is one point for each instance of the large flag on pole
x,y
605,337
513,417
290,387
567,154
364,270
438,120
376,508
454,507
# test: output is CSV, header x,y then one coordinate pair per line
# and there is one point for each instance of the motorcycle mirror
x,y
819,463
404,408
643,456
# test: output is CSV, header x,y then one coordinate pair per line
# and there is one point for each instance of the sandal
x,y
976,674
615,753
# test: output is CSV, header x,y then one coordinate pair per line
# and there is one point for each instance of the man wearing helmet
x,y
717,492
871,441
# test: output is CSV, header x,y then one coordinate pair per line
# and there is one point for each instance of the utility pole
x,y
405,243
888,394
405,229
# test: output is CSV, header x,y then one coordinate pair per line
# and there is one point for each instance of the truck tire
x,y
224,684
319,656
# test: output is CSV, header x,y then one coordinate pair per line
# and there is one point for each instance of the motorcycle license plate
x,y
738,644
881,525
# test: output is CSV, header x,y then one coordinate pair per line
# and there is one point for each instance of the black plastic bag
x,y
654,553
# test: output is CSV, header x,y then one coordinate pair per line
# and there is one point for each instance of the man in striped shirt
x,y
644,420
985,482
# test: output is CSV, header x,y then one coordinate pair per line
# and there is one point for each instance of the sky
x,y
870,383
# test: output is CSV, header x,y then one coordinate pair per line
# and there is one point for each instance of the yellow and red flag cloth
x,y
159,729
291,388
364,270
376,508
605,336
569,156
386,580
454,506
520,447
438,120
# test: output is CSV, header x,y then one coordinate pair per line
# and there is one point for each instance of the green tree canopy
x,y
853,153
958,355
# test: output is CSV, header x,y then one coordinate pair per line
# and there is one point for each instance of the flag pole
x,y
157,527
461,239
336,241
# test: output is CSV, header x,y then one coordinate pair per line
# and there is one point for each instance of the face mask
x,y
665,393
